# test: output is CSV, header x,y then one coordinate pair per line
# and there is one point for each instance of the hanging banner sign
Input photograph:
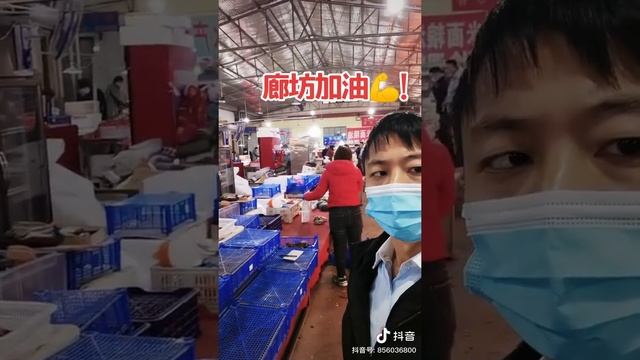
x,y
450,36
370,120
469,5
358,134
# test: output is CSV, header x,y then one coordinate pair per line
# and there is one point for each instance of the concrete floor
x,y
481,333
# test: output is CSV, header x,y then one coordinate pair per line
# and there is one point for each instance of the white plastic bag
x,y
242,184
73,199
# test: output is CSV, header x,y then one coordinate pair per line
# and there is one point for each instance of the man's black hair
x,y
452,62
343,153
118,79
406,126
436,70
596,30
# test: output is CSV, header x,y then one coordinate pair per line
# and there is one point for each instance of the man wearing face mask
x,y
385,287
550,107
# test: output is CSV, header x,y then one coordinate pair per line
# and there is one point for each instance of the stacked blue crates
x,y
265,191
306,264
249,221
236,267
265,242
100,346
276,290
150,214
103,311
84,266
298,185
249,205
251,333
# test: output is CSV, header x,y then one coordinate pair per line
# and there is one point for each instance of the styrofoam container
x,y
30,326
87,123
151,20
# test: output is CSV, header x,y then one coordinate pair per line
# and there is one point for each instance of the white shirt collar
x,y
385,253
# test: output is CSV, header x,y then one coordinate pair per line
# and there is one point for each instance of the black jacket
x,y
524,352
406,315
440,91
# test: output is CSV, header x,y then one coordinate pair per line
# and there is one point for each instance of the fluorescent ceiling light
x,y
371,111
313,113
394,7
267,124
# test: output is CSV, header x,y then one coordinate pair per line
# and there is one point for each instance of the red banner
x,y
370,120
469,5
360,134
450,36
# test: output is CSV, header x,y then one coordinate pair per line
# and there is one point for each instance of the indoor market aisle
x,y
481,333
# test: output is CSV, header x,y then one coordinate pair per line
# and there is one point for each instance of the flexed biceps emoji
x,y
385,95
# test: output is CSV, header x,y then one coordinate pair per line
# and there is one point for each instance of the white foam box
x,y
80,108
87,123
151,20
142,35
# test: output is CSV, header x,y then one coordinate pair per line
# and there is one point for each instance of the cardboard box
x,y
288,212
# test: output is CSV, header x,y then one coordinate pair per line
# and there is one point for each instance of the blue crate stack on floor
x,y
236,267
104,311
100,346
306,264
251,333
265,242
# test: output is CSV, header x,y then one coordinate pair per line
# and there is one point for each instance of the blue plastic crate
x,y
270,222
276,290
230,211
302,184
103,311
265,191
249,221
298,242
306,263
265,242
225,293
237,265
103,347
150,215
251,333
84,266
246,206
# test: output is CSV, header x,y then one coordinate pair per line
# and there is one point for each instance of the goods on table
x,y
288,211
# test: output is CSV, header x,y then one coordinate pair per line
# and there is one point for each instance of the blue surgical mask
x,y
397,208
563,269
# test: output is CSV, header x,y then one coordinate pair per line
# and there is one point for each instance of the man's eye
x,y
416,170
629,147
379,174
507,161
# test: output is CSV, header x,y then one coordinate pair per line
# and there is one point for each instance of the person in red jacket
x,y
344,182
438,187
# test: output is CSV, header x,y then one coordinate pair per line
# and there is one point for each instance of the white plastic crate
x,y
47,272
205,279
29,324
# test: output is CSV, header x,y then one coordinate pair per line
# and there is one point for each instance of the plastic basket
x,y
29,323
230,212
265,242
265,191
47,271
104,347
298,242
301,184
270,222
225,293
276,290
169,314
93,262
103,311
306,263
249,221
204,279
251,333
246,206
152,215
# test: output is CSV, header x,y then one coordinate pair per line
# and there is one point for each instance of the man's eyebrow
x,y
501,123
613,107
410,157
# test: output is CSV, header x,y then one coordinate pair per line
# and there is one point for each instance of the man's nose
x,y
400,176
568,167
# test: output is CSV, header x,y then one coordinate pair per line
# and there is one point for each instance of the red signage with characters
x,y
370,120
450,36
467,5
358,134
